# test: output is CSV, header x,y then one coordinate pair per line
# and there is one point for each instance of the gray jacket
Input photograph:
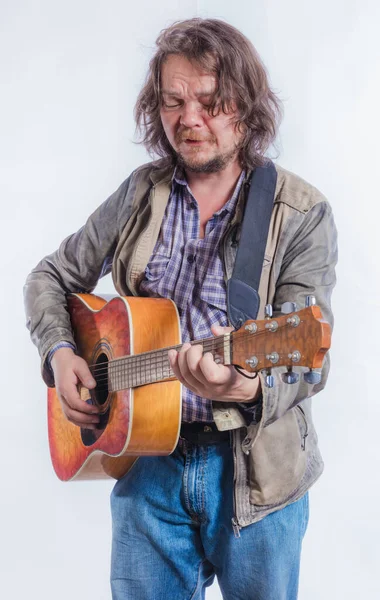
x,y
277,459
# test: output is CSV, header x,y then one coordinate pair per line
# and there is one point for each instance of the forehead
x,y
178,74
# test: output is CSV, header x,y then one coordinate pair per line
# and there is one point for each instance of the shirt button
x,y
190,258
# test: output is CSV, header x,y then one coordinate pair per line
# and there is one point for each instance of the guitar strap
x,y
243,300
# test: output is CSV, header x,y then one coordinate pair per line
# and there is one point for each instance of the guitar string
x,y
149,373
219,341
156,358
132,378
212,344
150,361
153,363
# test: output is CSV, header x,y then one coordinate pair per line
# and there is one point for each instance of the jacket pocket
x,y
277,461
303,425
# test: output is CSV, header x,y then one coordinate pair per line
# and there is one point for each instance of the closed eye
x,y
171,101
173,105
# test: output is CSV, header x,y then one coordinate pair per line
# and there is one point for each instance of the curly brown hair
x,y
222,50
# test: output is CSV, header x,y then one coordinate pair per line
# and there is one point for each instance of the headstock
x,y
296,339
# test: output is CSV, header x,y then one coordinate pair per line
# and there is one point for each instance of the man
x,y
232,499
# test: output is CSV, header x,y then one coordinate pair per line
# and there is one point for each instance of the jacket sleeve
x,y
308,268
76,266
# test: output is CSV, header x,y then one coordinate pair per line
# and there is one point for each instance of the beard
x,y
212,165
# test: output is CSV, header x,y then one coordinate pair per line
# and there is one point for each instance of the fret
x,y
150,367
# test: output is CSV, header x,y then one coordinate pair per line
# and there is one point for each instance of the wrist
x,y
250,390
59,353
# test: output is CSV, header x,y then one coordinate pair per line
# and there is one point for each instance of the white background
x,y
70,74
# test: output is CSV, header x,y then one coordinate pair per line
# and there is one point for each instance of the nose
x,y
191,115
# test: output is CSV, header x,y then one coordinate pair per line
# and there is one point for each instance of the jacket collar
x,y
162,171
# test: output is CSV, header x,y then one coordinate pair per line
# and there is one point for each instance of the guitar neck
x,y
152,367
299,339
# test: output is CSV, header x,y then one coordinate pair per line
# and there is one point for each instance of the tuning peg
x,y
290,376
269,381
312,376
310,301
268,311
288,307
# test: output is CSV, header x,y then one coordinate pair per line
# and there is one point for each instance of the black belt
x,y
203,433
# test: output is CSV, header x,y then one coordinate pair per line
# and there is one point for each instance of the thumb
x,y
218,330
84,374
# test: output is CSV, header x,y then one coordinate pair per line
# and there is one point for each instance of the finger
x,y
219,330
69,393
84,375
213,373
77,417
173,360
188,360
79,422
194,372
181,360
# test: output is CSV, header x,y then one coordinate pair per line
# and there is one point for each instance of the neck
x,y
220,181
213,190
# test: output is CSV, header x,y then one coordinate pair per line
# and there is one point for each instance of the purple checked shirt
x,y
189,270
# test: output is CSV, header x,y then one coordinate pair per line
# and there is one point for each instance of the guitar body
x,y
143,420
125,342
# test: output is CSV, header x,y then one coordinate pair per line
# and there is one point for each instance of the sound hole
x,y
99,397
100,373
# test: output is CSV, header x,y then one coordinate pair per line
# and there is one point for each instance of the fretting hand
x,y
202,375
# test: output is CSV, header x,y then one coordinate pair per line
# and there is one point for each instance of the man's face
x,y
202,142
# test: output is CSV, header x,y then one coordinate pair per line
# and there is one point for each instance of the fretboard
x,y
151,367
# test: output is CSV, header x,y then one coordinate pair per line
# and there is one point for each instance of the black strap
x,y
243,300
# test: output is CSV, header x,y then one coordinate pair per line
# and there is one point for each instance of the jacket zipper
x,y
303,444
227,274
227,242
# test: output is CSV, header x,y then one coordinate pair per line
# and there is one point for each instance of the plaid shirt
x,y
189,270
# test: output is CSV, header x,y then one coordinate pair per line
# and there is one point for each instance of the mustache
x,y
187,134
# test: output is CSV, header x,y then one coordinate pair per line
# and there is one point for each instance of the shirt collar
x,y
179,177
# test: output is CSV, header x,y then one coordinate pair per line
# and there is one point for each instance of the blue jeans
x,y
172,533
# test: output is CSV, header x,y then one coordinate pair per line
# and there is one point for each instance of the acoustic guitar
x,y
125,342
